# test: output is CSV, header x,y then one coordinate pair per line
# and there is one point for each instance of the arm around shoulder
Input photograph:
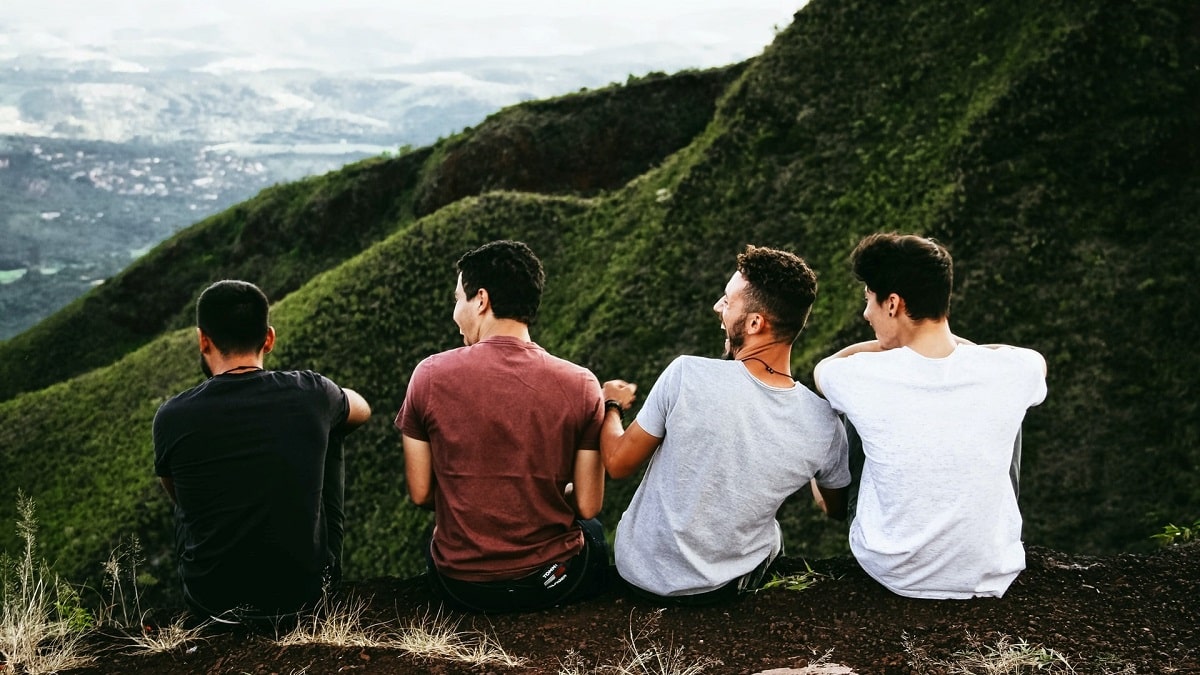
x,y
868,346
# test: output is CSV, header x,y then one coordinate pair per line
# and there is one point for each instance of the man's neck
x,y
768,362
930,338
505,328
236,363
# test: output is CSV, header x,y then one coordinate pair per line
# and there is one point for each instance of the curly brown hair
x,y
781,286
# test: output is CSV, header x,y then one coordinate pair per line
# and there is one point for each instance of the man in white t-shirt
x,y
727,441
939,419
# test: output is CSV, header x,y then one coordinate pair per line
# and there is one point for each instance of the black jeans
x,y
556,583
744,585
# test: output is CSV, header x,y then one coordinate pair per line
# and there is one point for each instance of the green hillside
x,y
578,144
1052,146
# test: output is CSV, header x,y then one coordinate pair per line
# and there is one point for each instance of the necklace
x,y
770,370
246,368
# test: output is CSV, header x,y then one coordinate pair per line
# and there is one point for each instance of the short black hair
x,y
233,314
918,269
512,275
781,285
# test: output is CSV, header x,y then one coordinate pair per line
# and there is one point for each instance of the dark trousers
x,y
745,584
556,583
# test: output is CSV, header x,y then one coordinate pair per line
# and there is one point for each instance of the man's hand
x,y
620,391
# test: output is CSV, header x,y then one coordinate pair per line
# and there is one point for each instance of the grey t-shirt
x,y
732,450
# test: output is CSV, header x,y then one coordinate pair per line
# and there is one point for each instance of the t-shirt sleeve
x,y
835,376
1033,365
337,403
162,464
589,438
836,471
410,419
652,418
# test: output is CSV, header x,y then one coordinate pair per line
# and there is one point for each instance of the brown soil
x,y
1122,614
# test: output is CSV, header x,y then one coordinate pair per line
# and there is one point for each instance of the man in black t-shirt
x,y
252,460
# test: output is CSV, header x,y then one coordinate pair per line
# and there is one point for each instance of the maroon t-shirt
x,y
504,419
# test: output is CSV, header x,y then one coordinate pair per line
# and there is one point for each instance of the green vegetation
x,y
796,581
1051,147
1173,534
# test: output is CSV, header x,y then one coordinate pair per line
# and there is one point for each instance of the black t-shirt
x,y
247,456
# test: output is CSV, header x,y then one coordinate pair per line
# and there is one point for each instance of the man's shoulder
x,y
181,400
701,364
1005,356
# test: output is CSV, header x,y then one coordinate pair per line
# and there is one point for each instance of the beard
x,y
204,367
735,338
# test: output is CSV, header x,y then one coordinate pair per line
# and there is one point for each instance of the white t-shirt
x,y
733,449
937,516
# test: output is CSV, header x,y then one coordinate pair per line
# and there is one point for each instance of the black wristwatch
x,y
610,403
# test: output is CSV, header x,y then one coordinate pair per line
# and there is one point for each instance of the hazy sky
x,y
716,31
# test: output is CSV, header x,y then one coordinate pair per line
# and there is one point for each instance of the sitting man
x,y
502,439
938,416
731,440
252,460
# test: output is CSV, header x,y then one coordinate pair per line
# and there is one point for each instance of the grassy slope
x,y
1052,147
288,233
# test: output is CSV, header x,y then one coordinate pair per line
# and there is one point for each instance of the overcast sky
x,y
715,31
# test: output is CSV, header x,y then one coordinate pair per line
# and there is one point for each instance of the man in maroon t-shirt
x,y
502,439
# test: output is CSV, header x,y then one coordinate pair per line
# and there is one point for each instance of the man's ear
x,y
206,345
756,323
894,304
483,303
269,343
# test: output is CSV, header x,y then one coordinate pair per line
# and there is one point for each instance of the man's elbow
x,y
421,497
616,469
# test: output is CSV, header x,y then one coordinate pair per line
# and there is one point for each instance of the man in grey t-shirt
x,y
728,441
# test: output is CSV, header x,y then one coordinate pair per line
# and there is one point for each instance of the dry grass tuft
x,y
428,636
336,624
437,637
643,655
1005,657
41,623
165,638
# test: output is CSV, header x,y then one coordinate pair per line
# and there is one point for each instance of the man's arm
x,y
333,500
831,501
168,484
360,410
624,451
588,491
418,471
868,346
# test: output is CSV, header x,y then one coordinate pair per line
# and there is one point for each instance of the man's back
x,y
246,454
733,450
937,514
504,420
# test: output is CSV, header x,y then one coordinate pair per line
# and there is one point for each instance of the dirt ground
x,y
1122,614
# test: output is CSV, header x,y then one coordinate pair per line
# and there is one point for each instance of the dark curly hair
x,y
512,275
781,285
918,269
233,314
